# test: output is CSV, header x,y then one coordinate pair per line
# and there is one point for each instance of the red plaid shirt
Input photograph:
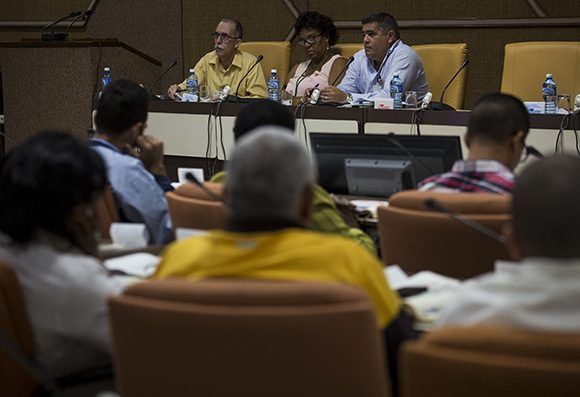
x,y
472,176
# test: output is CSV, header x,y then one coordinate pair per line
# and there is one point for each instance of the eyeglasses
x,y
528,151
309,41
224,37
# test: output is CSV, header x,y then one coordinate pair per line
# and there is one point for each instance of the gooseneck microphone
x,y
258,60
343,70
435,205
47,37
161,76
190,177
441,105
393,138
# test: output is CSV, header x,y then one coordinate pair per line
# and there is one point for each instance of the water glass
x,y
410,99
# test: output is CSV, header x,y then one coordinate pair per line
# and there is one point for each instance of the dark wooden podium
x,y
52,85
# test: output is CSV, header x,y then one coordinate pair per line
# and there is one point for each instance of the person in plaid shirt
x,y
496,134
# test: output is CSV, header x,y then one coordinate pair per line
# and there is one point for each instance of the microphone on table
x,y
190,177
171,66
258,60
343,70
47,37
393,138
435,205
85,15
441,105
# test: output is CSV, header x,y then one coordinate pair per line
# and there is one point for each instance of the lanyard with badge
x,y
379,84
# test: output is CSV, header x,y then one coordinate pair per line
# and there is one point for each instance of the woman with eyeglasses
x,y
316,35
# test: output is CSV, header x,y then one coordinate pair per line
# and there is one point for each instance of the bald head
x,y
546,208
269,176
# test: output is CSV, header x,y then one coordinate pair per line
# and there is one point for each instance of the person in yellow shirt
x,y
326,216
227,65
269,191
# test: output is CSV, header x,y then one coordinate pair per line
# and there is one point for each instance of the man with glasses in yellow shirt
x,y
227,65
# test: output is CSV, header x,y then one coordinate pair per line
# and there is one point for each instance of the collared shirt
x,y
211,73
66,301
362,77
137,194
537,294
473,176
326,217
286,254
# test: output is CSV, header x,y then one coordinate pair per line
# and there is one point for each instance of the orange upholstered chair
x,y
15,381
190,207
246,338
106,212
441,61
525,66
417,238
491,361
276,56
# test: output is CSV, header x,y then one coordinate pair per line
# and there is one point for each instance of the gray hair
x,y
268,174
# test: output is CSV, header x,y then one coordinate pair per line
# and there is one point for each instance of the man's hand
x,y
172,90
332,94
151,154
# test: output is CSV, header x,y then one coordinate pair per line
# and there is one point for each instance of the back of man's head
x,y
496,117
122,104
259,113
546,208
268,175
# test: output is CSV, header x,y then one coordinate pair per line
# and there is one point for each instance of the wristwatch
x,y
348,98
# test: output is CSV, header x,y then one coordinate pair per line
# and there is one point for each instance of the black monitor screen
x,y
433,154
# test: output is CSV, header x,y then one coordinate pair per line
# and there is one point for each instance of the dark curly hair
x,y
315,20
41,182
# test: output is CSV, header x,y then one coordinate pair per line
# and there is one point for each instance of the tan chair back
x,y
525,66
418,239
348,49
246,338
276,56
191,207
15,381
106,212
491,361
441,61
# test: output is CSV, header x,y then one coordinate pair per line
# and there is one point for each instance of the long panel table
x,y
193,132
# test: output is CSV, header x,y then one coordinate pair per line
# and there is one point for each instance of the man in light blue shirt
x,y
134,161
384,55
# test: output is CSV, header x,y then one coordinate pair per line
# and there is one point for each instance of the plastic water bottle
x,y
549,93
274,86
396,90
106,77
192,86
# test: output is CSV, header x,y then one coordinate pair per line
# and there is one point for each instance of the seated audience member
x,y
49,186
384,55
269,191
316,35
496,135
134,161
326,217
227,65
542,292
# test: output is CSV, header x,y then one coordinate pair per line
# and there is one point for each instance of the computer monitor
x,y
432,154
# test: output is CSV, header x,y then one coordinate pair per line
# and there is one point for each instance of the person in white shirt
x,y
49,186
542,292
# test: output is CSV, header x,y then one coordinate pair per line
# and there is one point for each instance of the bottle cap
x,y
549,75
274,71
107,69
191,71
